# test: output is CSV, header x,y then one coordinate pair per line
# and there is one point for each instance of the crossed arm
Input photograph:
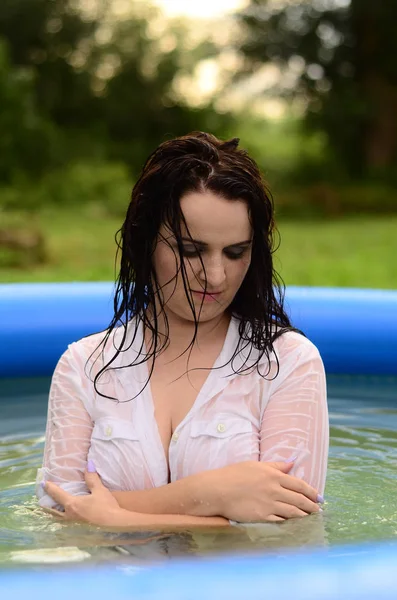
x,y
295,422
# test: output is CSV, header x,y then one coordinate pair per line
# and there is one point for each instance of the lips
x,y
207,293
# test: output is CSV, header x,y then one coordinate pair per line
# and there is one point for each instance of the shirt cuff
x,y
76,488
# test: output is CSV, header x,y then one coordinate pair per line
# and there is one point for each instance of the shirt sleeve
x,y
68,431
295,419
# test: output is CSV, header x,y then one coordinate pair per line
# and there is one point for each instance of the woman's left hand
x,y
98,508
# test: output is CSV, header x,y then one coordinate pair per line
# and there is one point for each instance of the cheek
x,y
245,264
239,271
165,264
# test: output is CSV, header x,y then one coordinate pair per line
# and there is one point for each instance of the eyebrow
x,y
205,245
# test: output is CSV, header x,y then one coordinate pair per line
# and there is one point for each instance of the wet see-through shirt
x,y
234,418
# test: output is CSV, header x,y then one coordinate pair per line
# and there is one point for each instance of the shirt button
x,y
108,431
175,436
221,427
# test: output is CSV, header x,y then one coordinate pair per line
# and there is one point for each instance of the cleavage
x,y
173,394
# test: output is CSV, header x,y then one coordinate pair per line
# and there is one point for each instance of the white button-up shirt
x,y
234,417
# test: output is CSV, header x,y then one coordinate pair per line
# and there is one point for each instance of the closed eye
x,y
233,254
190,252
236,254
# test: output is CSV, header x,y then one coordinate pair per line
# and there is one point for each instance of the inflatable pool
x,y
356,332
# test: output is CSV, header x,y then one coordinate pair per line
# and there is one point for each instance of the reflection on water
x,y
360,493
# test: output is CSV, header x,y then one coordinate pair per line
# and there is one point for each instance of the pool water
x,y
360,494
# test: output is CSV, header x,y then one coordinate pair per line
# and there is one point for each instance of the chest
x,y
175,386
181,424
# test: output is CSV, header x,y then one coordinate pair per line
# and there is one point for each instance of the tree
x,y
26,138
140,109
45,36
347,54
105,83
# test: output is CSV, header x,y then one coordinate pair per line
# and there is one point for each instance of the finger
x,y
284,467
93,481
57,493
298,500
55,513
298,485
288,511
274,519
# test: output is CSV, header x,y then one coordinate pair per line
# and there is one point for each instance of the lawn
x,y
360,252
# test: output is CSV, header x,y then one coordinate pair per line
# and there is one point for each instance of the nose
x,y
213,274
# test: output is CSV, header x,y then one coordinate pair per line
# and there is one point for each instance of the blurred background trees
x,y
84,84
87,91
103,85
343,54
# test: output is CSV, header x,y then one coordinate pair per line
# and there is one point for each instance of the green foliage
x,y
103,187
303,176
27,139
325,200
354,252
85,99
286,153
43,35
22,243
344,55
139,108
82,89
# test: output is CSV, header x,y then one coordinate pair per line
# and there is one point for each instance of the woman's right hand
x,y
262,491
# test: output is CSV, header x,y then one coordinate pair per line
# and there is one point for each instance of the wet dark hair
x,y
196,162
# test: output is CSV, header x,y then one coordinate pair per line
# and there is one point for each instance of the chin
x,y
207,313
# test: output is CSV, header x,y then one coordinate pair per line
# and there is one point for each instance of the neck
x,y
181,331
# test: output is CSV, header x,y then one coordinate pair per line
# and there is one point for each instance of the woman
x,y
200,404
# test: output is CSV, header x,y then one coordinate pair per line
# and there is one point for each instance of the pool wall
x,y
351,573
355,330
356,333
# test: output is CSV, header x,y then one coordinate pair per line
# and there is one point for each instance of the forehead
x,y
213,219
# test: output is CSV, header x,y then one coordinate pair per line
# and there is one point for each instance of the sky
x,y
199,8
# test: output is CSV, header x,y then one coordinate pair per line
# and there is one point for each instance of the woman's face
x,y
222,236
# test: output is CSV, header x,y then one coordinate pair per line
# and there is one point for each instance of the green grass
x,y
357,252
351,252
80,247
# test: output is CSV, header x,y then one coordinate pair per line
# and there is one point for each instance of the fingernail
x,y
43,484
292,459
320,499
91,467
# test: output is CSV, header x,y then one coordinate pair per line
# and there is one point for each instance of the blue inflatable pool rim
x,y
355,330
